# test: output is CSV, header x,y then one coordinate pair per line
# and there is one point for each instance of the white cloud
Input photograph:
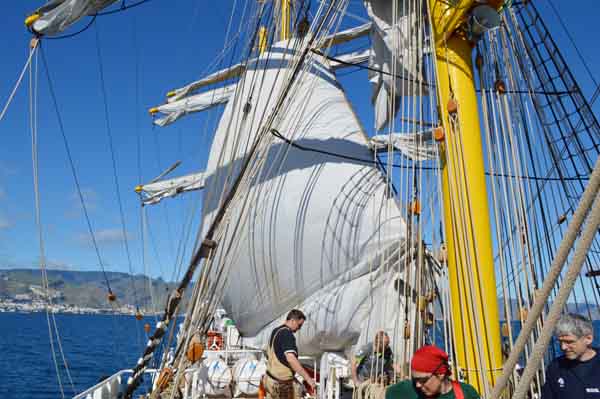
x,y
57,265
90,199
104,236
5,223
8,263
6,170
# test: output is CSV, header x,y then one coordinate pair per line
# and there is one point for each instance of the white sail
x,y
195,103
181,103
314,215
416,146
153,193
237,69
347,35
349,309
219,76
394,56
350,59
58,15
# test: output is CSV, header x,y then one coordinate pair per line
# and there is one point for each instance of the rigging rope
x,y
368,68
73,171
32,51
86,27
50,319
589,197
561,298
114,164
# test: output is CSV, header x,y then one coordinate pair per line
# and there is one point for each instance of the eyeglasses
x,y
567,342
424,380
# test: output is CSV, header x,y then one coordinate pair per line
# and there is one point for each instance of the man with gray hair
x,y
576,374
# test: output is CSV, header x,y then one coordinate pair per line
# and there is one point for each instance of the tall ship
x,y
466,215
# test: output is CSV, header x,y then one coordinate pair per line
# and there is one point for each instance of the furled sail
x,y
194,103
219,76
347,35
317,214
416,146
153,193
394,57
237,69
182,101
57,15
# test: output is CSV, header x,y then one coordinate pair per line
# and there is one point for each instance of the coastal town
x,y
31,298
79,292
38,305
35,301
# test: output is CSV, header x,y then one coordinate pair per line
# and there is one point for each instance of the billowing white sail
x,y
348,310
316,217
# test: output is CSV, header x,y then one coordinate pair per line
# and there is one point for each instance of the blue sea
x,y
94,345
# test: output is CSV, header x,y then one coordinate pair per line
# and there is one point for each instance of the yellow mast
x,y
468,237
284,29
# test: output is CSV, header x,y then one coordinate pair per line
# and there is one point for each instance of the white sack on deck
x,y
58,15
153,193
416,146
195,103
399,40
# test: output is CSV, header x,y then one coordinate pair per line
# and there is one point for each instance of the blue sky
x,y
163,45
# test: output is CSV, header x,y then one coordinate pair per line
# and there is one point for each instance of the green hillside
x,y
88,289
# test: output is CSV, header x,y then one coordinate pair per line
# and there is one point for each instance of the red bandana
x,y
430,359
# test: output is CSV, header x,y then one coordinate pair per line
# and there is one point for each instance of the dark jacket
x,y
572,379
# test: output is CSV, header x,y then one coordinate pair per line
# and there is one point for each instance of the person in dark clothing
x,y
575,374
282,359
430,379
373,361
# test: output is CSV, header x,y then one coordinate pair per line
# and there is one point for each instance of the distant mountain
x,y
86,289
580,308
571,307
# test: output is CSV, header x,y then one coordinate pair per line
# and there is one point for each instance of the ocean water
x,y
94,346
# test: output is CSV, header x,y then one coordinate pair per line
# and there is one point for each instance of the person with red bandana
x,y
430,379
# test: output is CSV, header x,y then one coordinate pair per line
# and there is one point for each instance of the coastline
x,y
8,306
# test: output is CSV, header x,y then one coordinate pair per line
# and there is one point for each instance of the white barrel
x,y
247,373
213,378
